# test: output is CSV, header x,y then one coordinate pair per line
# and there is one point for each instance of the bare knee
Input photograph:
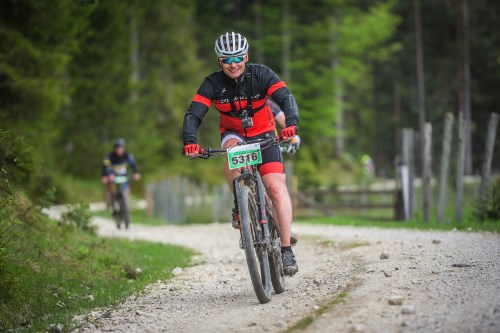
x,y
228,173
275,186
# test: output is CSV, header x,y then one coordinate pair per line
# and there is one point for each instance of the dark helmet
x,y
119,143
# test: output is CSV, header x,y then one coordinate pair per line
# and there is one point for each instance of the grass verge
x,y
75,190
308,320
57,272
432,225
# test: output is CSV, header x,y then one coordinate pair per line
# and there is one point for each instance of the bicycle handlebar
x,y
209,152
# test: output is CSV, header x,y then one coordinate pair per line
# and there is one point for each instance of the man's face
x,y
234,70
119,151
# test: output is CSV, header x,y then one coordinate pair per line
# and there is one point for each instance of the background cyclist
x,y
116,164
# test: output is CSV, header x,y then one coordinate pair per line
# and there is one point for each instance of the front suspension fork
x,y
261,204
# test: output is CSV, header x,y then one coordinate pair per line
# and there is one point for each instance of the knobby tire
x,y
257,257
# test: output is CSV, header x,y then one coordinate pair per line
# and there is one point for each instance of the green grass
x,y
75,190
52,270
303,323
137,216
360,222
375,218
70,190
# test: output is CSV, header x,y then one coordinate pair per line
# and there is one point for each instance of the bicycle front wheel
x,y
124,209
255,252
275,263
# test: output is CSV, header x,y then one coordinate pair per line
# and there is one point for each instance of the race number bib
x,y
245,155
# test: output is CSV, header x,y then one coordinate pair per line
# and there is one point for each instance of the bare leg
x,y
276,189
228,173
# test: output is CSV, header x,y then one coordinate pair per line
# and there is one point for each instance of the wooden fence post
x,y
427,172
460,168
445,165
408,159
488,157
149,195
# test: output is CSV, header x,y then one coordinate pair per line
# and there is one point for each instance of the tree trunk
x,y
338,88
466,88
487,158
397,117
259,54
409,160
134,58
236,12
287,41
445,163
420,78
339,115
421,104
377,140
459,190
427,172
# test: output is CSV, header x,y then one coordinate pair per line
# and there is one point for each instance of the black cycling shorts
x,y
272,159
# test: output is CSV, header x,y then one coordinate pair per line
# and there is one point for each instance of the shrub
x,y
489,210
78,217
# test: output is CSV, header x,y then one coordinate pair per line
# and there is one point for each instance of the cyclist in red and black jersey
x,y
239,92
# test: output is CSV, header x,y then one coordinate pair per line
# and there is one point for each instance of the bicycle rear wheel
x,y
255,252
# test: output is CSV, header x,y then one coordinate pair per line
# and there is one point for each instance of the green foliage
x,y
79,217
19,163
17,167
76,74
489,210
142,100
38,40
71,190
62,272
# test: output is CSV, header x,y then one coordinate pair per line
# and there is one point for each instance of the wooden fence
x,y
380,204
180,200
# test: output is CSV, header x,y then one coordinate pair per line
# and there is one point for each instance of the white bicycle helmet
x,y
231,44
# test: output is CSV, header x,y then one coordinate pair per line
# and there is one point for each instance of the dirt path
x,y
217,295
447,281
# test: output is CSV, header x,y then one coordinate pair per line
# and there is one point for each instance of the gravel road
x,y
439,281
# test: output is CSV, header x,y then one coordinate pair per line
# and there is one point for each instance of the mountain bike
x,y
121,203
259,235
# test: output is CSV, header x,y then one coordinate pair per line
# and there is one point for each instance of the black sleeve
x,y
197,110
278,90
133,164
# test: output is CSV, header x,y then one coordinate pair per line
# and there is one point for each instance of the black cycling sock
x,y
286,249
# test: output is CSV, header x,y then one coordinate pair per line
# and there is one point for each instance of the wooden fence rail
x,y
359,202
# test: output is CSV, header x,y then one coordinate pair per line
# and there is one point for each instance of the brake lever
x,y
204,156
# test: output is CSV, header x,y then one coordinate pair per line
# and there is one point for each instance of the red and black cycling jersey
x,y
219,89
